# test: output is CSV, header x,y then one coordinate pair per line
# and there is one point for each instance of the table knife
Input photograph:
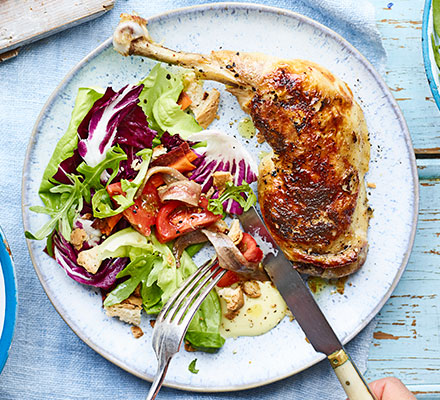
x,y
306,311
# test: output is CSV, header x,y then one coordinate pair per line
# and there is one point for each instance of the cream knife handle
x,y
351,379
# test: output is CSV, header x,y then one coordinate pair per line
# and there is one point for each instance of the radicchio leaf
x,y
66,256
223,153
99,128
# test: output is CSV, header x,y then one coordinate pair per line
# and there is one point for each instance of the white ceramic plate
x,y
241,363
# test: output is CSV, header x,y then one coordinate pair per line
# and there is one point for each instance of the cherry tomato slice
x,y
142,214
176,218
250,250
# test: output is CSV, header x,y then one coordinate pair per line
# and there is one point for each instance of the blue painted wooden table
x,y
407,338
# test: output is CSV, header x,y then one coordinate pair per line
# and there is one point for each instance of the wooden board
x,y
25,21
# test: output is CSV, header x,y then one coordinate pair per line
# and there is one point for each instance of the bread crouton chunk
x,y
90,259
235,232
204,105
251,289
128,311
137,332
77,237
220,179
234,300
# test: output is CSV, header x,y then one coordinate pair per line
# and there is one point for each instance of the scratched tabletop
x,y
407,338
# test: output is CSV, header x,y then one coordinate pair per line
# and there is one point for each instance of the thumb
x,y
391,389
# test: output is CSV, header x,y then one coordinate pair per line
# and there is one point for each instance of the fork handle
x,y
158,379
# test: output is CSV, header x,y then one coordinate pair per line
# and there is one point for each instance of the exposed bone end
x,y
131,27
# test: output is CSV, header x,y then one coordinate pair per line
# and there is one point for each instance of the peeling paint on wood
x,y
379,335
405,68
406,343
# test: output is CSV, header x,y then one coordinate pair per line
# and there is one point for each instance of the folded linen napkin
x,y
47,360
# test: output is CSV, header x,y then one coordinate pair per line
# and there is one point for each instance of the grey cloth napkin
x,y
47,360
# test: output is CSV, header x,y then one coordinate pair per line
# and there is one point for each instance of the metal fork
x,y
175,317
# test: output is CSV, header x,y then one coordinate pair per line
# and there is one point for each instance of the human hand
x,y
390,389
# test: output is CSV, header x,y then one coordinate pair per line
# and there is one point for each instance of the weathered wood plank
x,y
400,27
23,22
406,342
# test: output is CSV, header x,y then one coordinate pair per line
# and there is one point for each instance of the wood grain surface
x,y
23,22
406,342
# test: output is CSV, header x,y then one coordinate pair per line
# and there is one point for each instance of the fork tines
x,y
183,304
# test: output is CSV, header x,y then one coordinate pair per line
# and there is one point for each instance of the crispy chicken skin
x,y
311,189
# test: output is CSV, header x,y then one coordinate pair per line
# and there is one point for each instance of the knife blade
x,y
304,308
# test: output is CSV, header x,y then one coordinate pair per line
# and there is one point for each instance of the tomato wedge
x,y
142,214
228,279
106,225
176,218
250,250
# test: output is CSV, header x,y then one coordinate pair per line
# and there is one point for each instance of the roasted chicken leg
x,y
311,189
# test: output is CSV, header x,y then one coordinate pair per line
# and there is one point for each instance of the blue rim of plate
x,y
7,267
426,43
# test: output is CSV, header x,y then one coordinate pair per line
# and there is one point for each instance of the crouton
x,y
234,300
158,151
251,289
77,237
90,259
204,104
128,311
220,179
220,226
235,232
137,332
206,111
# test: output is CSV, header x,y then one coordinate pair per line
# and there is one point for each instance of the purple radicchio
x,y
116,118
173,141
222,153
99,129
66,256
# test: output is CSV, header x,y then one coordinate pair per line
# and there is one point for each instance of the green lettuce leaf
x,y
159,98
92,175
153,266
192,367
203,332
436,16
435,49
68,143
137,271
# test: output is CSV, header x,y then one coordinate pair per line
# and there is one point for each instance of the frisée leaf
x,y
67,199
242,194
101,202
